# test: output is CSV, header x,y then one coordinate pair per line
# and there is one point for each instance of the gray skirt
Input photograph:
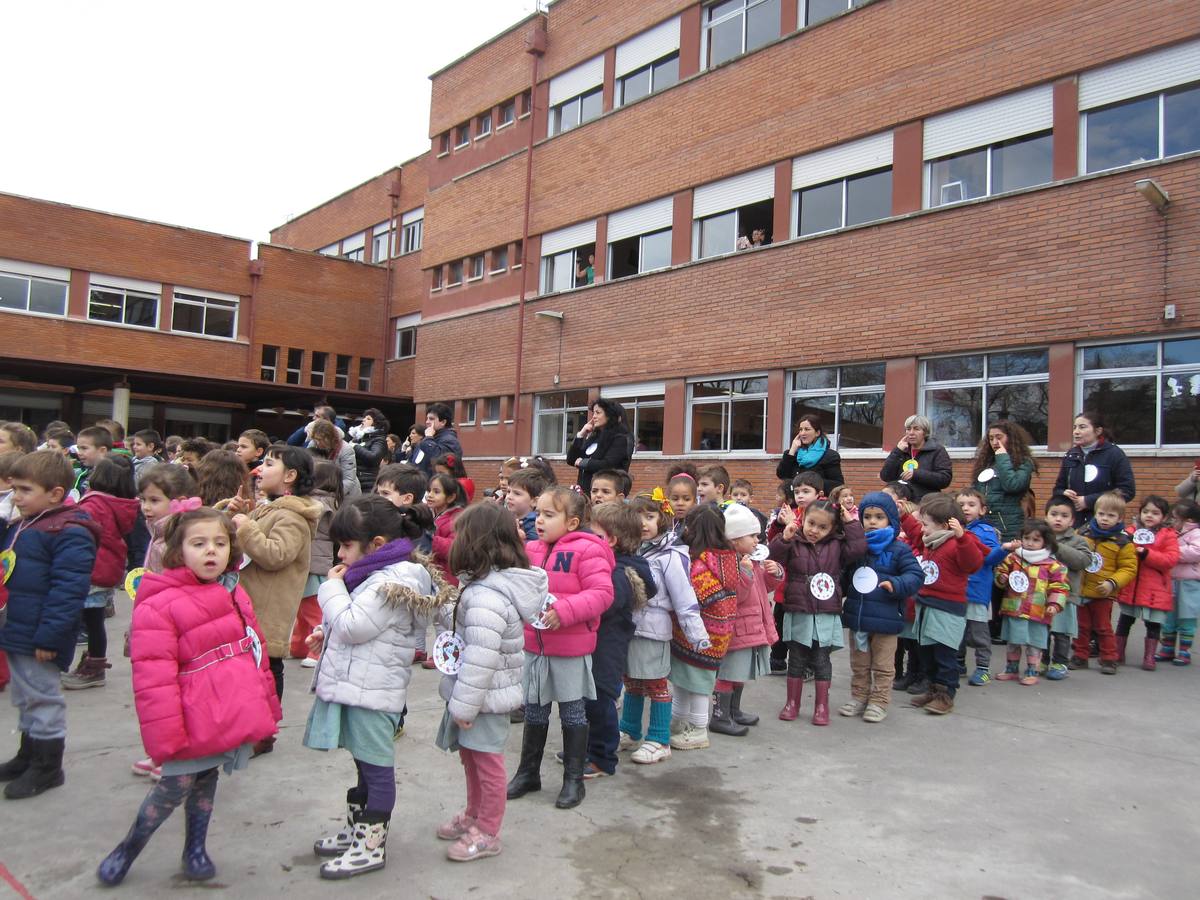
x,y
648,659
486,735
230,761
692,678
557,679
746,664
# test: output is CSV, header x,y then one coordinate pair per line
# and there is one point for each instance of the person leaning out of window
x,y
919,460
811,451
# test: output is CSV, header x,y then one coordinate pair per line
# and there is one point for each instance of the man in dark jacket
x,y
302,436
440,438
919,460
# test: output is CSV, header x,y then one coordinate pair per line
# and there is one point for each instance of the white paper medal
x,y
865,579
447,653
246,560
1096,564
760,553
591,449
822,586
1090,473
255,645
1018,581
986,475
1143,536
931,570
540,622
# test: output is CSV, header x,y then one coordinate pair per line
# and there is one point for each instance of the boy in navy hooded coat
x,y
874,607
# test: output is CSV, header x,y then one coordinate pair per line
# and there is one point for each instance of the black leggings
x,y
1125,623
815,658
97,637
277,673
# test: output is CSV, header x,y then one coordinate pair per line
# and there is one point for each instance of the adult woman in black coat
x,y
604,442
811,452
918,459
1093,466
370,448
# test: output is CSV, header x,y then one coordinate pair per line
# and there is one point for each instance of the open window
x,y
568,258
647,62
639,238
576,96
734,214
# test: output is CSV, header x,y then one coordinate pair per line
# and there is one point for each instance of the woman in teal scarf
x,y
811,452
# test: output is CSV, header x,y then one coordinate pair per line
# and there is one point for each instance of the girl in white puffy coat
x,y
498,594
370,609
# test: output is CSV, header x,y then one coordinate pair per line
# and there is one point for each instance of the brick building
x,y
960,205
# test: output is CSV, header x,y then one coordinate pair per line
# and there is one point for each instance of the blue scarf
x,y
392,552
1094,529
807,457
880,540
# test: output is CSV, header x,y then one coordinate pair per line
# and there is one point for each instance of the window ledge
x,y
474,278
491,422
454,284
506,125
205,337
150,329
443,153
40,315
497,271
458,147
482,137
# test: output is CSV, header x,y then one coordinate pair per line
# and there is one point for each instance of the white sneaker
x,y
853,708
627,742
308,663
691,738
678,726
650,753
875,713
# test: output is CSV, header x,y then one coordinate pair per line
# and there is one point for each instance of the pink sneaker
x,y
473,845
455,828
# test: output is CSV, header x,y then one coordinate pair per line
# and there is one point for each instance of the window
x,y
470,408
734,27
295,362
499,259
728,415
437,279
1142,129
526,103
557,418
819,10
331,250
443,143
45,294
721,233
354,247
643,415
518,252
319,362
845,202
366,368
341,377
642,82
491,410
569,269
462,135
476,267
456,273
962,394
1007,166
642,253
215,316
270,360
1149,390
576,111
382,241
483,125
508,113
123,306
406,336
849,400
411,225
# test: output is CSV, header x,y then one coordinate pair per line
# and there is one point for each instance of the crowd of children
x,y
238,557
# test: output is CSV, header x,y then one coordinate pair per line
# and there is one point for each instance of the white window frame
x,y
406,324
481,120
636,397
989,151
342,382
619,100
556,111
506,105
845,183
205,299
470,412
1161,97
32,272
804,16
706,27
1157,371
316,376
412,227
125,287
984,382
471,272
369,378
263,367
462,127
837,392
287,366
693,402
331,250
354,248
564,411
492,269
437,280
641,238
450,282
383,233
491,420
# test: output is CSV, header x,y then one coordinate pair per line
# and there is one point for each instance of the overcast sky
x,y
226,115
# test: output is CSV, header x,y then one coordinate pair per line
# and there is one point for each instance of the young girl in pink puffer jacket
x,y
201,683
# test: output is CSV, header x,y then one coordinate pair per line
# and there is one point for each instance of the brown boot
x,y
923,700
88,674
941,703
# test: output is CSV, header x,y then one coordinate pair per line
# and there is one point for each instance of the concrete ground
x,y
1086,788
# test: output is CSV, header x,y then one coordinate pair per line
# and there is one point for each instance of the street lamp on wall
x,y
1155,194
555,314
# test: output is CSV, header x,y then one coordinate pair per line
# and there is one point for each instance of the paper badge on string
x,y
8,562
539,621
1096,564
760,553
865,579
931,570
448,650
591,448
1090,473
910,465
822,586
133,581
1018,581
1143,536
986,475
255,646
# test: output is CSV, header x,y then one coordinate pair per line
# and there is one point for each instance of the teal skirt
x,y
746,664
1067,621
936,626
691,678
230,761
487,734
825,629
1187,598
557,679
368,734
648,659
1024,632
1158,616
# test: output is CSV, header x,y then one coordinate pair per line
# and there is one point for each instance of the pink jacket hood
x,y
579,566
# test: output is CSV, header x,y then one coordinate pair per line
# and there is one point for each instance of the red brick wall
x,y
356,210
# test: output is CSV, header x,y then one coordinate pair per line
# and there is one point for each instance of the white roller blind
x,y
1142,75
648,46
130,284
640,389
35,269
993,120
410,321
740,190
874,152
568,238
653,216
415,215
354,242
576,81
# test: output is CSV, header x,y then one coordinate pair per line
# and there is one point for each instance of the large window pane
x,y
1120,356
48,297
1021,163
748,424
814,379
623,258
666,72
869,197
105,306
1181,121
1026,404
1018,362
823,406
1122,134
820,10
956,178
710,389
860,421
219,322
954,368
550,434
656,251
187,317
14,292
635,86
821,208
649,428
717,234
708,426
1129,402
725,40
566,116
1183,352
864,374
762,24
749,386
956,415
591,106
1181,408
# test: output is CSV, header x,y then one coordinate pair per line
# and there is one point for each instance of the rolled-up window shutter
x,y
990,122
731,193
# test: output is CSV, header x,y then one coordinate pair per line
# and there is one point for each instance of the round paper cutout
x,y
1018,581
1096,564
8,562
1143,536
865,579
910,465
986,475
591,449
539,622
447,653
822,586
760,553
133,581
1090,473
931,570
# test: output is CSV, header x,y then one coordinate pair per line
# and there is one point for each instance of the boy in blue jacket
x,y
50,551
874,607
978,635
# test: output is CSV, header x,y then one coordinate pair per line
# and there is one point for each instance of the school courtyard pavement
x,y
1086,788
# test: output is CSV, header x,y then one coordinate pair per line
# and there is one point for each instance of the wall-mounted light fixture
x,y
1154,193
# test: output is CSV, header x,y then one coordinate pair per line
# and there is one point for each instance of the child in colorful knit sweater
x,y
1035,591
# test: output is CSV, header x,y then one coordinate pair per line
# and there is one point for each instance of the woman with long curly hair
x,y
1002,471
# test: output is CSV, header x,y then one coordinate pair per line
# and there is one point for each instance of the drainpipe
x,y
256,273
389,280
535,46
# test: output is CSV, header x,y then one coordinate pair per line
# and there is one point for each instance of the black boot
x,y
115,866
722,722
529,772
197,866
735,709
575,738
45,770
16,766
